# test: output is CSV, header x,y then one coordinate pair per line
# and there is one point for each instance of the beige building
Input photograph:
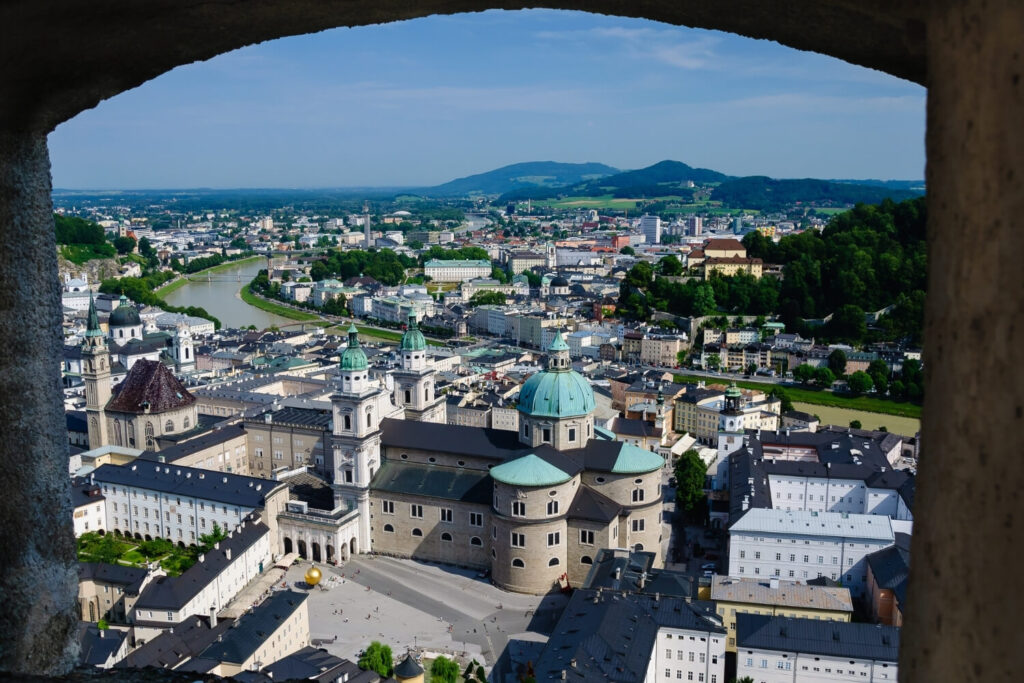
x,y
220,450
775,597
724,248
516,502
108,591
286,439
662,350
731,265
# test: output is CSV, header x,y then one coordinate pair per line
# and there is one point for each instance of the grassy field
x,y
113,549
606,201
277,309
907,426
181,282
816,397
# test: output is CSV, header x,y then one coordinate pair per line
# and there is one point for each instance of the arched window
x,y
638,547
586,559
184,425
518,563
389,529
369,417
426,392
169,426
117,433
446,536
408,396
149,434
554,562
348,422
130,429
417,532
475,540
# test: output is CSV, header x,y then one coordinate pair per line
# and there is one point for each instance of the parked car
x,y
708,566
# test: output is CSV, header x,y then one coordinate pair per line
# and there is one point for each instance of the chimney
x,y
643,580
773,583
563,674
618,573
213,617
572,662
202,558
227,553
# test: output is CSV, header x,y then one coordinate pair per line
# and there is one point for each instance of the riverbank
x,y
270,307
818,397
183,280
906,426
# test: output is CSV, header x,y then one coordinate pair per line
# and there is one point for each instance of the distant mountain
x,y
763,193
531,174
664,177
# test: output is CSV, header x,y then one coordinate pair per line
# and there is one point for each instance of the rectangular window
x,y
416,511
572,434
586,537
638,495
546,435
518,540
476,519
387,507
446,514
554,538
518,508
552,507
638,525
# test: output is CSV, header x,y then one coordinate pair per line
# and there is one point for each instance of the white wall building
x,y
791,650
456,271
650,226
803,545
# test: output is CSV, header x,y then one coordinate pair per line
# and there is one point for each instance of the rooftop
x,y
786,594
810,523
253,628
815,637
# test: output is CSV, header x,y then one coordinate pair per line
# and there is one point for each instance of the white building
x,y
209,585
803,545
791,650
456,270
650,226
147,499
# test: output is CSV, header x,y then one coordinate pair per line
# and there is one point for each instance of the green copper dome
x,y
124,315
413,339
635,460
733,391
353,358
558,391
529,470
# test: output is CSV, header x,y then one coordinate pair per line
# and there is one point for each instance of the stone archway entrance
x,y
967,53
287,545
302,550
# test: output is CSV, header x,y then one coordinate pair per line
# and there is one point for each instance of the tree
x,y
500,274
751,368
237,243
860,382
146,249
681,358
848,324
745,679
377,657
444,670
690,474
824,377
670,265
124,245
879,372
837,362
786,404
628,251
207,541
474,673
803,373
714,361
415,245
855,424
487,298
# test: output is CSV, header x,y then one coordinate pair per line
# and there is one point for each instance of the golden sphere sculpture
x,y
313,576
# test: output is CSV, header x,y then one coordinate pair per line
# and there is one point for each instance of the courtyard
x,y
425,608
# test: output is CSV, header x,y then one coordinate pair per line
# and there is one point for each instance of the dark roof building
x,y
149,387
220,487
176,645
129,578
254,628
633,571
847,640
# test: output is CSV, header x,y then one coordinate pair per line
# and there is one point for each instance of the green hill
x,y
763,193
527,175
663,178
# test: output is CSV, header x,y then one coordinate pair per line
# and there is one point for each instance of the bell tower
x,y
415,386
184,353
96,375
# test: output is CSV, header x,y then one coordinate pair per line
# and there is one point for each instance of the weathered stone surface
x,y
38,583
63,56
963,620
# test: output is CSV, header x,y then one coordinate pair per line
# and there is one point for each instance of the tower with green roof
x,y
414,380
96,375
354,453
731,421
556,406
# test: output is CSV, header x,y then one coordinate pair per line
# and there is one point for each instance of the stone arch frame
x,y
974,177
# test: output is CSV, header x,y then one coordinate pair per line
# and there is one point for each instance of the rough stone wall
x,y
39,581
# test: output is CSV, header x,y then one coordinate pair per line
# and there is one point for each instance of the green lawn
x,y
869,404
277,309
603,202
125,551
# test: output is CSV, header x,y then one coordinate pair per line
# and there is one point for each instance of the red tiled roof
x,y
149,381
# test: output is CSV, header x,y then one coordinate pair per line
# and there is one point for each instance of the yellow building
x,y
775,597
408,671
730,265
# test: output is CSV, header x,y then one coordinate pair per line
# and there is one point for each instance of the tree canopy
x,y
384,265
690,472
377,657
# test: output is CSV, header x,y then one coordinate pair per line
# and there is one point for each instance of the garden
x,y
112,548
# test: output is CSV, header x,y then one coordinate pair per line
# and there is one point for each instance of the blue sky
x,y
428,100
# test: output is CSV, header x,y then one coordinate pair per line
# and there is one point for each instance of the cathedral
x,y
532,507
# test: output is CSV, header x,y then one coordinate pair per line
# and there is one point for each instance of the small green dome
x,y
124,315
529,470
353,358
733,391
413,339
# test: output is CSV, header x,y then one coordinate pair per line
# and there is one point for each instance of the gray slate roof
x,y
194,445
468,486
621,570
220,487
115,574
253,628
175,645
814,637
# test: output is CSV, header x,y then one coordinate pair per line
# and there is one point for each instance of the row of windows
x,y
689,675
681,653
792,558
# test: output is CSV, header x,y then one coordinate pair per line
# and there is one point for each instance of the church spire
x,y
92,328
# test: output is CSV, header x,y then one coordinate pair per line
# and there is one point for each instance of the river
x,y
220,297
